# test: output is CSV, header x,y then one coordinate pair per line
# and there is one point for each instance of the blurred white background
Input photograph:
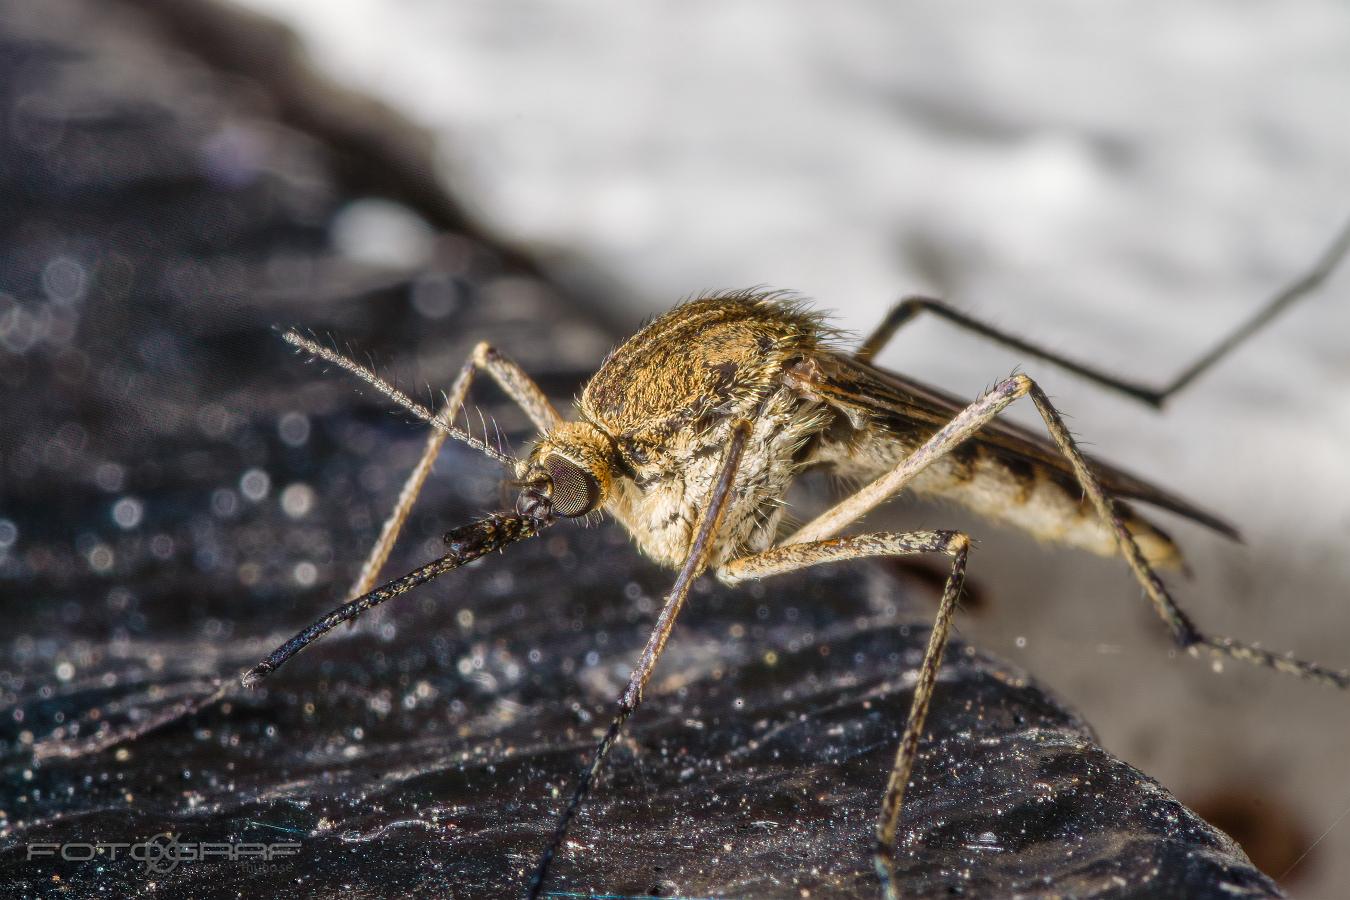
x,y
1125,182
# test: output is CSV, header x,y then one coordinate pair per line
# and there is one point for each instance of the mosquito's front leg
x,y
512,379
790,557
696,560
518,386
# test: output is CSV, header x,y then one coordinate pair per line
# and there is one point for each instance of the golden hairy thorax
x,y
711,356
655,419
666,398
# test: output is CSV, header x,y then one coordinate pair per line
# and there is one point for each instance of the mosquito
x,y
691,432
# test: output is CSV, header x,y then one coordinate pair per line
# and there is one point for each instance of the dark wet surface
x,y
179,493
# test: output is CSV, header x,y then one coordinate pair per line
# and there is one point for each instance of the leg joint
x,y
1184,632
1018,385
954,543
911,304
482,352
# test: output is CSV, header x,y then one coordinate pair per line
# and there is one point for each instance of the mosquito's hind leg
x,y
518,386
961,428
789,557
964,426
1187,636
910,307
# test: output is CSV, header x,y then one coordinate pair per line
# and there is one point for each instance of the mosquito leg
x,y
467,543
969,421
1184,631
910,307
517,385
514,382
947,438
512,379
407,496
799,556
694,563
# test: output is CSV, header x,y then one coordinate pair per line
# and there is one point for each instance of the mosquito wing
x,y
901,404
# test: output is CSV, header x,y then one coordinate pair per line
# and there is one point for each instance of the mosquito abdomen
x,y
1042,501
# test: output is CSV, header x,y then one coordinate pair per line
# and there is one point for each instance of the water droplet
x,y
305,573
293,428
101,558
224,502
297,500
128,512
110,477
254,484
64,279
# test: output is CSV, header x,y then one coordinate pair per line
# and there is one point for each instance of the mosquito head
x,y
569,473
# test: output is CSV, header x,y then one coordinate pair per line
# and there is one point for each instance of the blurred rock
x,y
180,493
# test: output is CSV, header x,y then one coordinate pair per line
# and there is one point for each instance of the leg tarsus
x,y
1184,631
958,547
910,307
696,560
969,421
884,863
792,556
512,379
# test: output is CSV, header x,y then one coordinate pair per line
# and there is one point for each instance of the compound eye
x,y
575,492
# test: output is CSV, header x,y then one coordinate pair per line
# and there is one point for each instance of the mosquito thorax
x,y
569,473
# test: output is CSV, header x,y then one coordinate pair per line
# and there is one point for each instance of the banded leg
x,y
967,423
523,392
467,543
910,307
799,556
512,379
694,563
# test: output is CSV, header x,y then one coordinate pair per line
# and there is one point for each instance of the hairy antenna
x,y
402,399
